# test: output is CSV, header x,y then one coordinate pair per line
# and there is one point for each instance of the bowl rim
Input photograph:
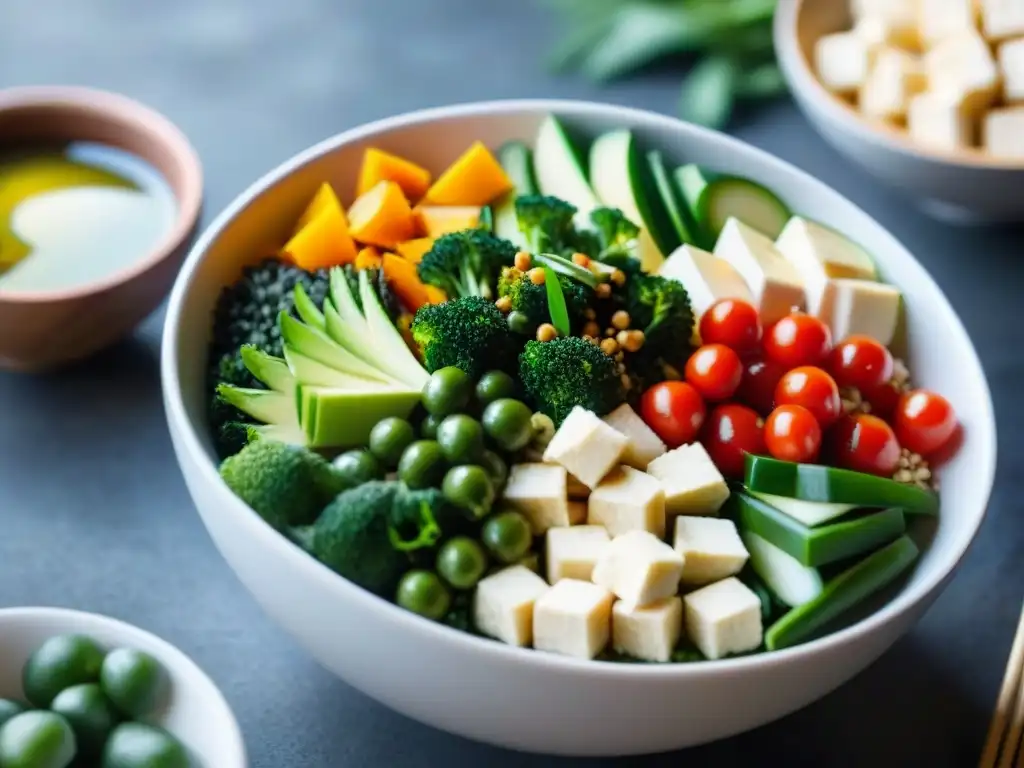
x,y
141,119
166,653
187,438
797,68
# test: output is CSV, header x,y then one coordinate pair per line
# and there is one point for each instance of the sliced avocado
x,y
314,373
272,371
347,325
264,405
387,342
314,343
343,419
291,434
307,309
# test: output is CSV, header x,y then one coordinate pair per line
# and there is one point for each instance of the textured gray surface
x,y
96,516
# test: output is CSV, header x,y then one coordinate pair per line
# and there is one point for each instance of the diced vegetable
x,y
475,178
413,250
342,418
792,582
809,513
691,180
517,160
674,205
386,339
560,169
379,166
368,258
436,220
323,238
319,346
307,309
382,216
754,205
401,276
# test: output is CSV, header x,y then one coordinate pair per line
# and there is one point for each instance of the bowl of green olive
x,y
81,690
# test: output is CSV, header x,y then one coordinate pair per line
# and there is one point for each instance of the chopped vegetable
x,y
466,263
413,250
401,274
381,216
368,258
475,178
323,238
468,333
531,300
567,372
379,166
436,220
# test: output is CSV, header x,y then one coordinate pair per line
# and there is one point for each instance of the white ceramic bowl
x,y
965,186
521,698
194,710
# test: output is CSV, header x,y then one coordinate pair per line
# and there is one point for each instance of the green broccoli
x,y
466,263
547,223
285,484
532,300
468,333
568,371
616,234
661,308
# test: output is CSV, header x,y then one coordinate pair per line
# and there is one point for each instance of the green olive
x,y
468,486
422,464
132,680
519,322
461,562
494,385
507,422
137,745
37,739
388,438
507,536
9,709
461,438
90,714
358,467
447,391
496,469
428,427
59,663
423,592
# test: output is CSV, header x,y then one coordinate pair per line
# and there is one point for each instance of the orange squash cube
x,y
368,257
379,166
401,276
413,250
322,237
437,220
476,178
382,216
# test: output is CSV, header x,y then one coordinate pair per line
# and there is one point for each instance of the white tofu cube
x,y
806,242
1001,19
1011,67
724,618
939,19
644,445
650,633
573,618
503,604
572,552
773,282
585,446
628,500
894,77
639,568
693,485
1003,132
539,492
899,15
937,119
707,278
963,66
864,307
842,61
711,548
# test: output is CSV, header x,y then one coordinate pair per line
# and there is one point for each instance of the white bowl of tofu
x,y
927,95
555,697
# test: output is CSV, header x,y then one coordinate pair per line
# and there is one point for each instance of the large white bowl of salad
x,y
574,428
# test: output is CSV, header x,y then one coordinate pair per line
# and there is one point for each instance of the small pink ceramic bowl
x,y
43,330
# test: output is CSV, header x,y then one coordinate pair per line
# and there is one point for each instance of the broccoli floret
x,y
546,222
469,333
616,234
532,300
660,307
466,263
285,484
568,371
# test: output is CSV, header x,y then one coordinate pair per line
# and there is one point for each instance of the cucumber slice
x,y
307,308
387,340
486,221
670,198
517,161
852,586
618,174
691,180
752,204
815,482
559,170
818,546
272,371
809,513
788,579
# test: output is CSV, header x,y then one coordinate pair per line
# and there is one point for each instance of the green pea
x,y
422,464
496,469
388,438
469,487
428,427
137,745
494,385
132,680
507,422
461,562
519,322
447,391
59,663
423,592
507,536
461,438
358,467
9,709
90,714
37,739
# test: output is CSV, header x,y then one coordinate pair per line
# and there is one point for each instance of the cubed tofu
x,y
639,568
806,242
939,19
938,119
877,31
539,491
895,76
586,447
711,548
1002,19
503,604
864,307
649,633
573,618
723,618
774,284
628,500
1011,67
707,278
963,66
572,552
899,15
644,445
693,485
1003,132
842,61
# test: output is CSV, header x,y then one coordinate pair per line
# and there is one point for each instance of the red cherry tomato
x,y
812,388
757,389
733,430
798,339
792,434
674,410
924,421
861,362
883,400
865,443
732,322
715,371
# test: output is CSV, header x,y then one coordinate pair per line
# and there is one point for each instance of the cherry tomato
x,y
732,322
924,421
791,433
798,339
865,443
715,371
812,388
883,400
733,430
757,389
861,362
674,410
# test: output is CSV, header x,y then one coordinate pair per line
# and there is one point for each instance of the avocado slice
x,y
272,371
339,418
345,321
316,344
264,405
314,373
307,309
388,344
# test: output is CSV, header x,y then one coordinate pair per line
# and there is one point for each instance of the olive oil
x,y
77,213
